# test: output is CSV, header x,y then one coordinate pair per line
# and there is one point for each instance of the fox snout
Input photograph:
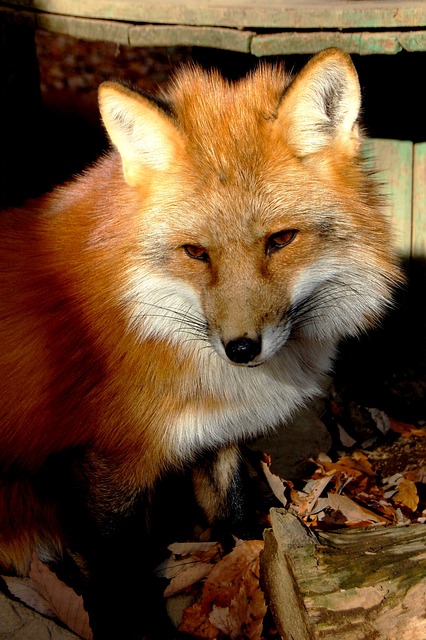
x,y
250,348
243,350
248,326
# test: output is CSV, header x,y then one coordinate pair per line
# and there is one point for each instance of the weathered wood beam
x,y
363,42
186,36
147,35
357,583
393,166
239,40
285,14
419,202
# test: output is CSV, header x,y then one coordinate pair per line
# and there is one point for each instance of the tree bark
x,y
351,584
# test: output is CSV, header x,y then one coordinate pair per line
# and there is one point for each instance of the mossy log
x,y
351,584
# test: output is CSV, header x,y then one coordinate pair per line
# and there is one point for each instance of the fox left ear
x,y
145,137
322,104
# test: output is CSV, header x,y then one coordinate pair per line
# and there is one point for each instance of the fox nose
x,y
243,350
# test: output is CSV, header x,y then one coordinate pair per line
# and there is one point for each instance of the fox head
x,y
257,225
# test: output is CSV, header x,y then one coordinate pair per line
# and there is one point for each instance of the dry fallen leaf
x,y
354,513
231,601
313,489
417,475
407,495
275,482
244,616
189,563
44,592
407,430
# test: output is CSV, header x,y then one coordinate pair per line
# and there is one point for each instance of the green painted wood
x,y
413,40
288,43
184,36
85,29
294,43
393,161
379,43
187,24
419,202
146,35
299,42
287,14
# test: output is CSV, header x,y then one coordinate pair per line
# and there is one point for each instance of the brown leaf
x,y
417,475
25,590
189,563
244,617
196,622
407,430
407,495
353,512
231,597
44,592
275,482
314,489
190,572
66,603
362,463
355,465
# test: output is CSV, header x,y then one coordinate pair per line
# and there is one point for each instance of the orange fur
x,y
122,351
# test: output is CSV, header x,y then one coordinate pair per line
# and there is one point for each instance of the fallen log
x,y
363,583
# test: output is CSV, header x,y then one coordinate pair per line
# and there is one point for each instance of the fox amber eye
x,y
280,240
198,253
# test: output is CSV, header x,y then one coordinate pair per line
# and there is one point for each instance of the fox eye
x,y
198,253
279,240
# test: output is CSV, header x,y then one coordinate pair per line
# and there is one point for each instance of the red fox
x,y
183,295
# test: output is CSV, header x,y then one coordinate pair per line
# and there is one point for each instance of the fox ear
x,y
144,136
322,104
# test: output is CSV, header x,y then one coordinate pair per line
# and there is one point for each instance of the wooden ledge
x,y
282,27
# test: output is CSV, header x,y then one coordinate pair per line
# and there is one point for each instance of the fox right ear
x,y
142,133
322,105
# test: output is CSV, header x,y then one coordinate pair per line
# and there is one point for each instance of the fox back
x,y
185,293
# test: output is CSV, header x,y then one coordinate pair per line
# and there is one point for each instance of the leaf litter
x,y
349,491
224,589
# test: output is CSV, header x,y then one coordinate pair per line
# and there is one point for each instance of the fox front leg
x,y
106,526
225,493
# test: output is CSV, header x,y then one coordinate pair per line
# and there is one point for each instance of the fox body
x,y
183,295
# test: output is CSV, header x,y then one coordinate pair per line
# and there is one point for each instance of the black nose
x,y
243,350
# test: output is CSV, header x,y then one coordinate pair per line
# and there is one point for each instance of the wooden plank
x,y
299,42
185,36
379,43
419,202
413,40
85,29
296,43
287,14
243,41
146,35
393,162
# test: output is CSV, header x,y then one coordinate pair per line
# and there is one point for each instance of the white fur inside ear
x,y
143,135
323,104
